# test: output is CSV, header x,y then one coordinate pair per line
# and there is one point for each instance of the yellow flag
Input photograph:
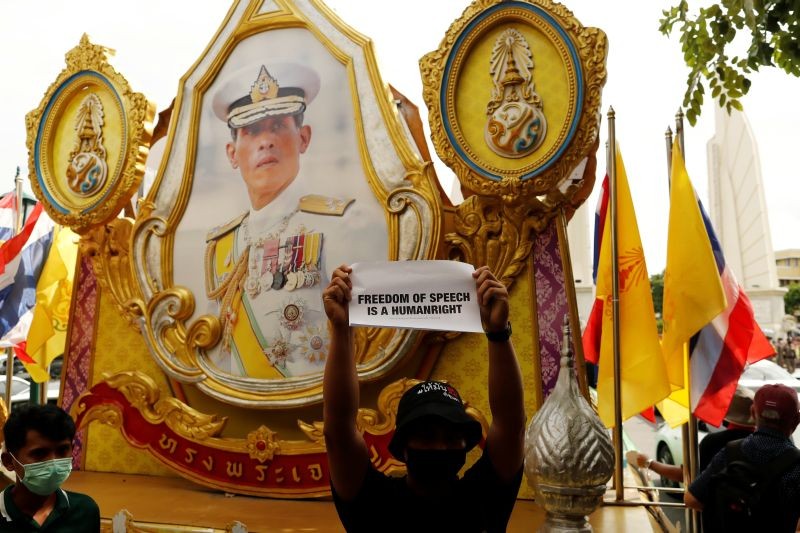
x,y
48,332
693,293
675,408
644,380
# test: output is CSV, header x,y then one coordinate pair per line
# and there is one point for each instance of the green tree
x,y
791,300
657,291
773,27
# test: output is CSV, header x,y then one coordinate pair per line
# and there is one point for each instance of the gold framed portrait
x,y
285,158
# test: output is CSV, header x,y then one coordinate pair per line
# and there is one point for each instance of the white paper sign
x,y
437,295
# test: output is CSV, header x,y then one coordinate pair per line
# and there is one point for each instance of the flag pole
x,y
685,427
668,142
612,183
689,430
19,214
18,219
679,132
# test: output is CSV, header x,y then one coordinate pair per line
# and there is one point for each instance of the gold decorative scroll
x,y
260,464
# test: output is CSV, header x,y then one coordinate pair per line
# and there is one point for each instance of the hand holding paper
x,y
337,295
436,295
492,298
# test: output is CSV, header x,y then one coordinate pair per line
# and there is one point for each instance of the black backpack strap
x,y
733,451
771,470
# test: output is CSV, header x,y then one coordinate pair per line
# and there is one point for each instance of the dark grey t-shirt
x,y
478,502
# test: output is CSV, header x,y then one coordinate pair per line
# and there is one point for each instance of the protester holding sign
x,y
432,436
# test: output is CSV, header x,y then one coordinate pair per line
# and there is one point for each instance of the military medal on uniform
x,y
312,250
252,285
270,265
295,279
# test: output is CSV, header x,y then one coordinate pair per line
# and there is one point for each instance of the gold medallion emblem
x,y
88,141
291,313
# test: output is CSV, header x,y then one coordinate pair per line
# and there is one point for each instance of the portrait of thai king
x,y
280,198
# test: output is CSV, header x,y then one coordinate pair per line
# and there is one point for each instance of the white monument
x,y
739,215
580,249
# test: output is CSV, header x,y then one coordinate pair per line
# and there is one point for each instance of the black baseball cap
x,y
432,399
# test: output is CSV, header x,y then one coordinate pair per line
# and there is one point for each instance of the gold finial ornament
x,y
515,124
264,87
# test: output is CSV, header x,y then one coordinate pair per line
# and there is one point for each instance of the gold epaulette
x,y
324,205
219,231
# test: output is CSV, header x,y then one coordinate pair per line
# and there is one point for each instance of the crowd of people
x,y
786,352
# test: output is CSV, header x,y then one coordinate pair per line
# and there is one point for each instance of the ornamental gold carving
x,y
378,422
262,444
108,246
83,176
143,393
522,151
87,170
515,124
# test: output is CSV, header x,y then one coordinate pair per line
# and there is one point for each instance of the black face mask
x,y
434,466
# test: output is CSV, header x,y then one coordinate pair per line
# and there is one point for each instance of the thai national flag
x,y
8,206
21,261
719,352
594,325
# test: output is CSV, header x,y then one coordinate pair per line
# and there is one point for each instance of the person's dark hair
x,y
298,120
51,422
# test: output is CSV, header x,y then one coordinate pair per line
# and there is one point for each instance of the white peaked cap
x,y
264,90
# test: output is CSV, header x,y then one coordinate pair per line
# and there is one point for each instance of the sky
x,y
157,41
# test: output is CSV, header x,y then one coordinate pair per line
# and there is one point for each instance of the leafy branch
x,y
707,39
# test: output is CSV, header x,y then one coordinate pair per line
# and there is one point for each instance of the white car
x,y
20,389
669,442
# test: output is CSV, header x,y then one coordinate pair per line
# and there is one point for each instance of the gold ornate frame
x,y
398,177
506,203
582,51
130,117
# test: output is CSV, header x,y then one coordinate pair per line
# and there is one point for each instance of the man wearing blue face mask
x,y
38,448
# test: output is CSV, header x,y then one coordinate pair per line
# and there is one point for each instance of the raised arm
x,y
347,452
505,442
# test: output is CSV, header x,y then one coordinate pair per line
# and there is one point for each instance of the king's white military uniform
x,y
267,270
